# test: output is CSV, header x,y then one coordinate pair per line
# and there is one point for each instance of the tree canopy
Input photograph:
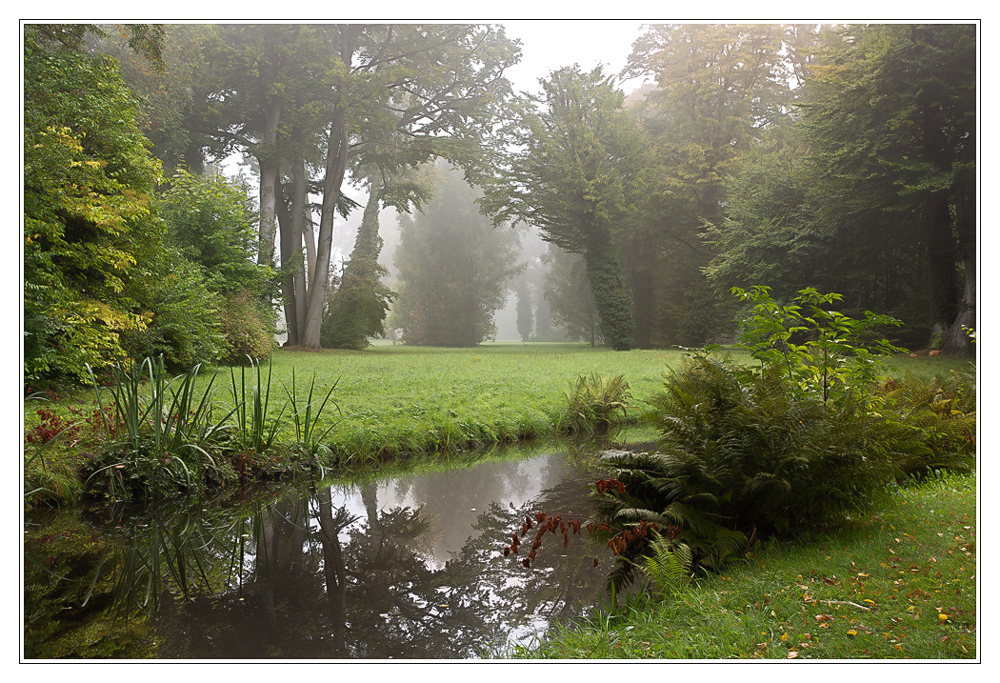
x,y
841,158
573,168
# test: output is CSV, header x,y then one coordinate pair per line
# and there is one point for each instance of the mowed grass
x,y
394,399
898,584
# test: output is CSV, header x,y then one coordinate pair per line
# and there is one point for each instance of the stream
x,y
411,567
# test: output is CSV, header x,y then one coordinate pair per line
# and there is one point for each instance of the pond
x,y
405,568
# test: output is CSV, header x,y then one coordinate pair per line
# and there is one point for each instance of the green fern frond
x,y
668,566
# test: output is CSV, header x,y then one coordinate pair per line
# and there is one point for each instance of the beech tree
x,y
572,168
892,118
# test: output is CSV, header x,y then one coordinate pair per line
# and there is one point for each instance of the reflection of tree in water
x,y
307,578
507,601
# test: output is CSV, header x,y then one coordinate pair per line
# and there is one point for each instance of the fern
x,y
668,566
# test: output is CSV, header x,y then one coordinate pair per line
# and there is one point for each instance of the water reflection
x,y
405,568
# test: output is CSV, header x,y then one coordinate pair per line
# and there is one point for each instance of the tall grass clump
x,y
595,403
305,417
253,429
160,432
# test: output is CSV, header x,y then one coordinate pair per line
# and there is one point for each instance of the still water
x,y
410,567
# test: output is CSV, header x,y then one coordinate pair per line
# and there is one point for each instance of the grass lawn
x,y
412,398
898,584
390,400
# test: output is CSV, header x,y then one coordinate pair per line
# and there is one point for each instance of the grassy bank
x,y
387,402
898,584
406,399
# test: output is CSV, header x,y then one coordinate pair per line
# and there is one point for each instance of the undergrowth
x,y
899,582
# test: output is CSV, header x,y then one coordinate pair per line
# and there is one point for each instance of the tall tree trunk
x,y
268,158
942,257
293,283
611,298
336,166
288,254
300,219
957,341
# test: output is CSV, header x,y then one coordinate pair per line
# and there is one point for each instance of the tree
x,y
359,306
892,119
717,87
88,226
453,266
524,310
211,222
572,168
425,90
362,96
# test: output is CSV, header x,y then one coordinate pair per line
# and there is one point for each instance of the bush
x,y
181,316
940,415
746,450
247,325
793,442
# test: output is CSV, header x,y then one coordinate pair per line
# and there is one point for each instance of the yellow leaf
x,y
852,632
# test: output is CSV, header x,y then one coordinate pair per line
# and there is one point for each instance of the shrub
x,y
247,325
181,316
940,414
771,449
746,450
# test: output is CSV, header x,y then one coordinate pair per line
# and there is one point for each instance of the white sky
x,y
549,44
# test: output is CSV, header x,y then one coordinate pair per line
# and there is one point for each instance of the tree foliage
x,y
573,170
892,121
717,86
359,306
88,225
210,221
